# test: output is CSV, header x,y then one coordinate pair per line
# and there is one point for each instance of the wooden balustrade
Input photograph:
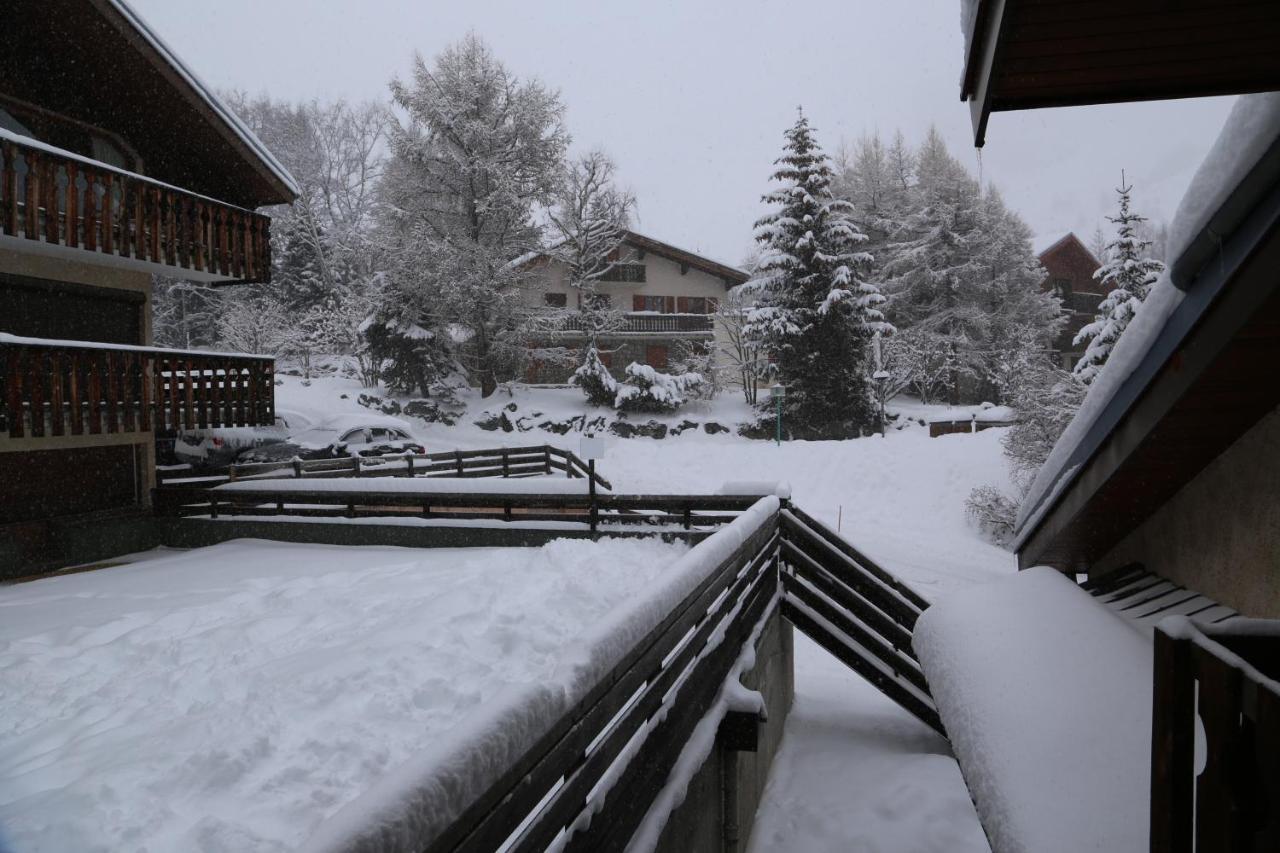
x,y
61,198
1227,676
66,388
658,323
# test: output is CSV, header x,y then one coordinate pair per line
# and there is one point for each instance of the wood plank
x,y
112,365
93,365
15,383
108,215
1172,746
32,204
75,388
49,182
9,189
1217,812
128,391
147,384
91,211
56,419
73,205
140,243
35,391
188,409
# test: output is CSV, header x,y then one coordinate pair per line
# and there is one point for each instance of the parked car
x,y
344,435
218,447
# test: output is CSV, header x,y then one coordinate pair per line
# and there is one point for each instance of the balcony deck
x,y
647,323
56,389
56,200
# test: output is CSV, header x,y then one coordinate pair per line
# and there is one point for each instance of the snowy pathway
x,y
857,773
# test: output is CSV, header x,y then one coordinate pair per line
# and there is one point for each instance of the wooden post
x,y
297,467
355,465
409,461
55,398
506,469
591,490
546,452
457,455
1172,745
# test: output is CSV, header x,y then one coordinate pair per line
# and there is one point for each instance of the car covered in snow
x,y
339,436
218,447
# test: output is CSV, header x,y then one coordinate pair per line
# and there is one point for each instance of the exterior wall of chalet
x,y
673,305
1069,269
66,475
1220,533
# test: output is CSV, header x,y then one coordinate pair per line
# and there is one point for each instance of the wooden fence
x,y
530,461
1227,676
61,198
57,388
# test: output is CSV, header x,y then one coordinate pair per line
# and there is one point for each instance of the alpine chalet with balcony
x,y
116,164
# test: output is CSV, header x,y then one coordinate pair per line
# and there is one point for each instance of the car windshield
x,y
314,438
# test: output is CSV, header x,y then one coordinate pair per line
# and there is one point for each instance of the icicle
x,y
978,152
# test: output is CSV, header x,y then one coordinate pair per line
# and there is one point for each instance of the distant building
x,y
1069,268
669,295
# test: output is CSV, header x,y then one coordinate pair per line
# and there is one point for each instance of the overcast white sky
x,y
691,98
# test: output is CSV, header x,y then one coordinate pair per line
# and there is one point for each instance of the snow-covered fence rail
x,y
586,769
508,462
61,198
1229,676
440,498
68,388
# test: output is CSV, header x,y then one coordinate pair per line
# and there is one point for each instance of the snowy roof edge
x,y
1226,182
247,136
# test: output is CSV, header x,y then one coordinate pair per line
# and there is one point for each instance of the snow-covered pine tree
x,y
814,312
1128,275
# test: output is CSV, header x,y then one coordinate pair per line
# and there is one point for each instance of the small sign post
x,y
778,391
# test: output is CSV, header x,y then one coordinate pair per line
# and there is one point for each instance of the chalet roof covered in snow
x,y
1190,373
1024,54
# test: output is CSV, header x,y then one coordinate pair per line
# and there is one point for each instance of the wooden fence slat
x,y
189,402
50,184
91,210
107,215
9,189
36,375
55,396
32,208
15,361
73,205
93,363
128,392
75,391
145,387
111,362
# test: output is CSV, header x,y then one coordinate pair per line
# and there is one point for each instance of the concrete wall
x,y
720,805
1220,533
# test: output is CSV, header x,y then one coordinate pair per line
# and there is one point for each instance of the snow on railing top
x,y
22,340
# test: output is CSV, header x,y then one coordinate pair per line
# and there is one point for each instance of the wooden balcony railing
x,y
74,388
1229,676
61,198
644,323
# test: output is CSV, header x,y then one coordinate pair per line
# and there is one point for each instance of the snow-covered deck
x,y
1046,697
235,697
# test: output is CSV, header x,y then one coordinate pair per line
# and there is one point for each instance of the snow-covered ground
x,y
231,698
234,698
857,773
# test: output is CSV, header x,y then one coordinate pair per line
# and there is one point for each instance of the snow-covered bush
x,y
648,390
700,358
994,512
595,380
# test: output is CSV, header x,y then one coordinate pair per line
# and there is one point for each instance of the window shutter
x,y
713,305
671,305
682,305
637,302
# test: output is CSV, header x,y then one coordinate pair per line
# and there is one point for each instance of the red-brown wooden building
x,y
116,164
1069,269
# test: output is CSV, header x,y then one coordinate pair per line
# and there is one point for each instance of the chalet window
x,y
633,273
698,305
556,300
655,355
656,304
1062,288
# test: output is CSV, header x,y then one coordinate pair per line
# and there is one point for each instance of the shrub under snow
x,y
595,380
648,390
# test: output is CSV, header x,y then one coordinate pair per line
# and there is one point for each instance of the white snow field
x,y
232,698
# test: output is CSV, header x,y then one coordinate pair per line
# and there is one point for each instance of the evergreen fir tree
x,y
1127,276
815,312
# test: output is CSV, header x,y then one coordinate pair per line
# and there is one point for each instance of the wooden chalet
x,y
116,164
1069,269
669,296
1163,491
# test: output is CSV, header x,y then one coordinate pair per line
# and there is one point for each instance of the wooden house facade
x,y
116,164
1069,269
